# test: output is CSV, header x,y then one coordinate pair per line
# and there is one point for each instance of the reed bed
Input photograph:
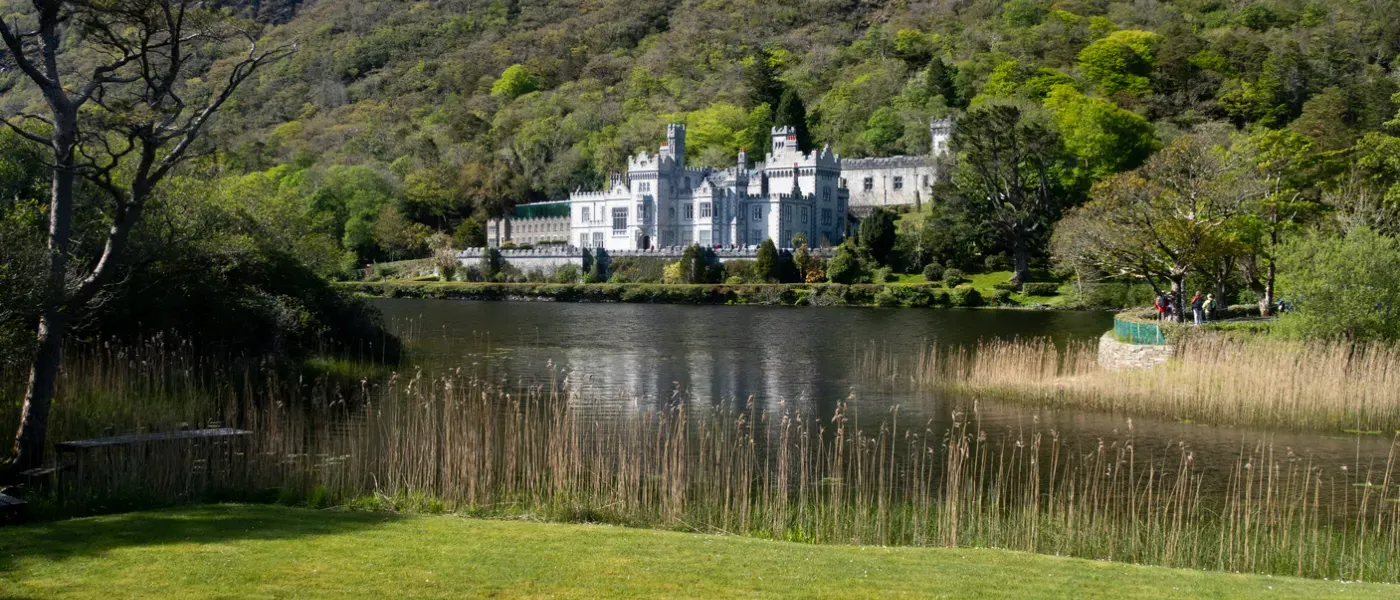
x,y
461,442
1307,386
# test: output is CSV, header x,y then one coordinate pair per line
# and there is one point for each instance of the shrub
x,y
887,298
1008,285
965,295
953,277
569,273
637,269
933,272
999,297
997,262
883,275
845,267
1040,289
766,268
734,280
740,269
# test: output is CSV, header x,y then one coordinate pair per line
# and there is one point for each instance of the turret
x,y
941,132
784,138
675,143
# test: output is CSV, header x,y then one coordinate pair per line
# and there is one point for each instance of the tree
x,y
1010,165
127,90
469,234
766,267
1121,62
1290,166
1345,287
1103,138
514,82
697,265
762,81
1161,222
845,266
792,113
877,235
938,81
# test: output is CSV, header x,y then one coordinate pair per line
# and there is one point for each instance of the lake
x,y
628,357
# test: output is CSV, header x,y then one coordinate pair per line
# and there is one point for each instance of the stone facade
x,y
1115,355
896,180
661,202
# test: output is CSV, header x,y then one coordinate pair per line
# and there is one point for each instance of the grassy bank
x,y
270,552
913,295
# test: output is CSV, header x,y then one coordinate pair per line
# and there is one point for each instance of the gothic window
x,y
787,237
597,239
755,237
804,215
689,211
619,216
671,212
826,194
925,180
869,184
843,182
687,183
787,212
898,182
706,210
826,216
758,213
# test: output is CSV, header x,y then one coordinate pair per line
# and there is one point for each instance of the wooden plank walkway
x,y
138,438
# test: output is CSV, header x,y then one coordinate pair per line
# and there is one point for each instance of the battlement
x,y
890,162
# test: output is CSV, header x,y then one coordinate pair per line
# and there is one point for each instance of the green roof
x,y
557,208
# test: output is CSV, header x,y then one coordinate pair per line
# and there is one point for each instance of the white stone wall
x,y
895,181
1115,355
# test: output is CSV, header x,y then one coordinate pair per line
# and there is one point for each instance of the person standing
x,y
1198,307
1161,305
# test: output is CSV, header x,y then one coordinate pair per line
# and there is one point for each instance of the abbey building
x,y
661,202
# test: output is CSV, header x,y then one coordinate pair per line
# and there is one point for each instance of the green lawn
x,y
273,552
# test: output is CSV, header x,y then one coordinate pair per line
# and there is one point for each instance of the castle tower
x,y
675,143
784,138
941,133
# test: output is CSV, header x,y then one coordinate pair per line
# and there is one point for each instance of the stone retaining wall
x,y
1115,355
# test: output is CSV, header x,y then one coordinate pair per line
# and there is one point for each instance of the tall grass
x,y
456,441
1310,386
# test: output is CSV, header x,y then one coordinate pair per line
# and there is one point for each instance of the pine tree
x,y
762,81
938,81
765,267
792,113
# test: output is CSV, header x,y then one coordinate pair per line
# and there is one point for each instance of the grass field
x,y
236,551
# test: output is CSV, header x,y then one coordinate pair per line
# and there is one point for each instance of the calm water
x,y
626,357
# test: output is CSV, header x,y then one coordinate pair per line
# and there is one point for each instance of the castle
x,y
660,202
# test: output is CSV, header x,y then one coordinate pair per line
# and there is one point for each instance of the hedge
x,y
821,294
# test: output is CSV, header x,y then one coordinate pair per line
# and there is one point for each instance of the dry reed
x,y
1313,386
459,442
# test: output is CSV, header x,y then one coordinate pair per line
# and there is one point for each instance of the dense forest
x,y
397,125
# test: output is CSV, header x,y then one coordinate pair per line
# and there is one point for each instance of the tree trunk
x,y
53,321
1178,297
1022,257
1266,299
38,397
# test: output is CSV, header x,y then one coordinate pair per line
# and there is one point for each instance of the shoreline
x,y
881,295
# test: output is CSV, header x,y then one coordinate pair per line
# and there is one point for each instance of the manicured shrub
x,y
1009,286
933,272
953,277
965,295
1040,289
999,297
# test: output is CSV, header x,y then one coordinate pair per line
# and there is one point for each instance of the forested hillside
x,y
395,120
441,110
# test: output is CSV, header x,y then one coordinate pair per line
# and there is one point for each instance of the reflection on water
x,y
624,357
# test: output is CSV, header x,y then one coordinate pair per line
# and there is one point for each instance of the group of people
x,y
1201,306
